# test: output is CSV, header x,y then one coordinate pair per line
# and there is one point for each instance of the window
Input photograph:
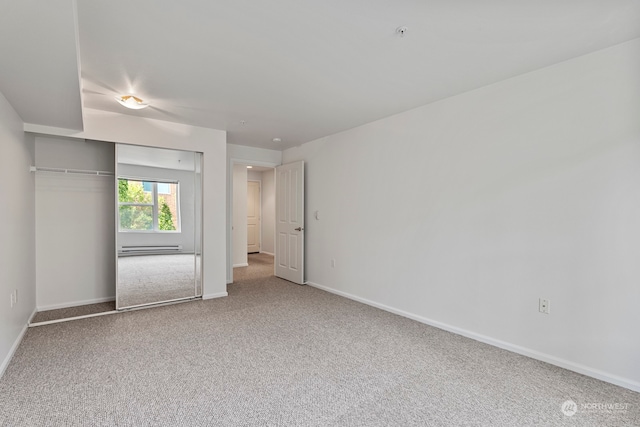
x,y
151,206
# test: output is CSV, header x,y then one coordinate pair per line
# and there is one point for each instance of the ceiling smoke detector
x,y
402,30
132,102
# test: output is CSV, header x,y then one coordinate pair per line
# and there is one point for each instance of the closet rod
x,y
70,171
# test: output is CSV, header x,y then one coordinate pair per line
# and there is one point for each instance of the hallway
x,y
260,268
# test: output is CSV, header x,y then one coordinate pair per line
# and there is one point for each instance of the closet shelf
x,y
70,171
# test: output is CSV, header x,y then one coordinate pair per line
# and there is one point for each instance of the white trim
x,y
566,364
116,217
157,304
16,344
268,253
243,264
218,295
68,319
75,303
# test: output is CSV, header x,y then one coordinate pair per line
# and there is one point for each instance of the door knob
x,y
299,229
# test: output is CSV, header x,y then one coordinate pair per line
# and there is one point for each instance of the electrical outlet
x,y
544,306
333,263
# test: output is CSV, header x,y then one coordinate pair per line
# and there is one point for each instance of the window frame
x,y
155,209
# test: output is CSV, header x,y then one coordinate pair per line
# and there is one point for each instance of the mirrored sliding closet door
x,y
159,225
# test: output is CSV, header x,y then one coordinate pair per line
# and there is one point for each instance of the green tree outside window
x,y
165,218
137,207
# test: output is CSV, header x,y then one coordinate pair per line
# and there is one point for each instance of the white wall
x,y
254,175
186,236
253,155
239,228
464,212
268,212
17,236
75,224
114,127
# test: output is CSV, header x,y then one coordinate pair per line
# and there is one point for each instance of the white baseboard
x,y
212,296
68,319
566,364
244,264
75,303
268,253
16,344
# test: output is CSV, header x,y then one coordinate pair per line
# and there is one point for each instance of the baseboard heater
x,y
149,250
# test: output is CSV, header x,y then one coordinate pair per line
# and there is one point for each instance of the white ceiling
x,y
294,69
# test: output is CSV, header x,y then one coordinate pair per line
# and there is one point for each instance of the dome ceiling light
x,y
132,102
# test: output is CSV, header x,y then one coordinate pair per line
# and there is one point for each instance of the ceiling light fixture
x,y
132,102
249,167
402,30
277,139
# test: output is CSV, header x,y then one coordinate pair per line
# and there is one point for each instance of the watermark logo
x,y
569,408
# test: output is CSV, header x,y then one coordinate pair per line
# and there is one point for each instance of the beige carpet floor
x,y
277,354
260,267
149,279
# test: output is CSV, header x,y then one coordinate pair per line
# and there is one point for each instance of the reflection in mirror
x,y
159,210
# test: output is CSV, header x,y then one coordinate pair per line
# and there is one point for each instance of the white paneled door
x,y
289,261
253,217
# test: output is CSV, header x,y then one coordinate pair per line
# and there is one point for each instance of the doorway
x,y
252,216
